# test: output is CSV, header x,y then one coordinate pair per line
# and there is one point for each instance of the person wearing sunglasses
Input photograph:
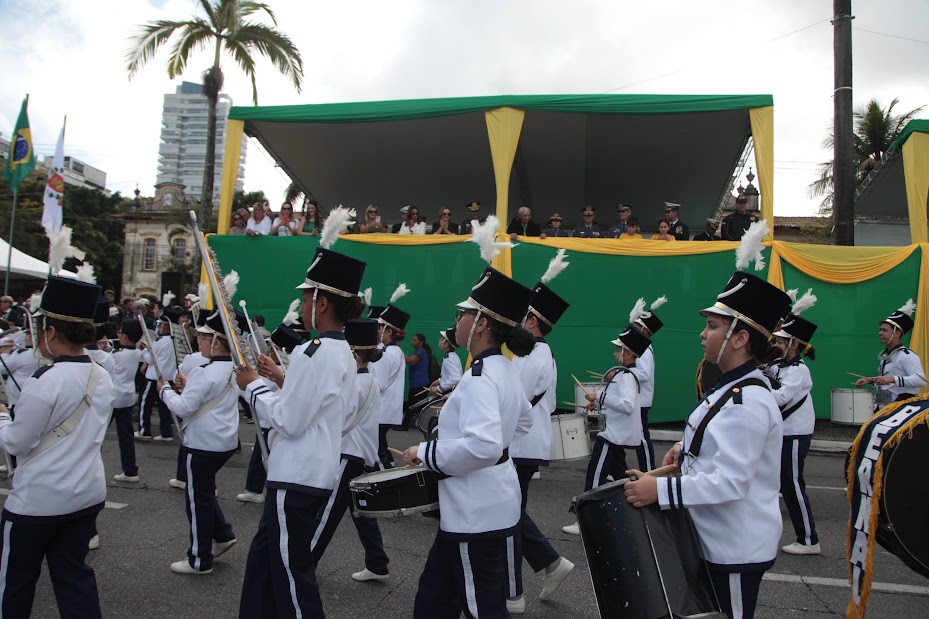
x,y
238,224
285,225
372,222
445,225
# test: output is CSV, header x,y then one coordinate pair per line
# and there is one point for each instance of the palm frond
x,y
194,36
247,8
277,47
146,44
240,53
209,10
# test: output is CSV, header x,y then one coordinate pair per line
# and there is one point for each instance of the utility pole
x,y
843,172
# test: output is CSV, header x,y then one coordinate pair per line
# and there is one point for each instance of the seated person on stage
x,y
632,229
445,225
588,229
901,372
663,233
620,227
554,228
522,224
709,231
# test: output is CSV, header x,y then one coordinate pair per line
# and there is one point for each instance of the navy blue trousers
x,y
607,459
382,452
737,592
647,448
124,431
256,475
207,522
62,541
529,542
150,399
793,487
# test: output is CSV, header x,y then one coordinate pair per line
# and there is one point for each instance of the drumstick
x,y
426,390
597,374
857,375
576,404
396,451
661,470
579,384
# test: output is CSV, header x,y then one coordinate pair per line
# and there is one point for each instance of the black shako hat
x,y
361,333
102,315
374,311
285,337
395,318
633,340
797,328
546,305
753,301
70,300
652,322
449,335
499,297
902,318
214,324
335,273
198,318
173,314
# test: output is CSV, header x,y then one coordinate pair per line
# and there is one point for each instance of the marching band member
x,y
359,452
901,372
305,439
389,372
59,485
101,320
538,374
209,404
644,371
195,359
167,361
730,455
793,396
480,499
18,366
126,362
451,364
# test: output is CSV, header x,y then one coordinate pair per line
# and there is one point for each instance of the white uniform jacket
x,y
103,359
191,361
22,366
125,367
644,370
217,429
389,372
796,384
164,352
451,372
731,488
67,477
360,443
307,415
260,412
538,375
480,497
619,403
904,365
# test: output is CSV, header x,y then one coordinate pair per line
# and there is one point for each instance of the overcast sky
x,y
68,55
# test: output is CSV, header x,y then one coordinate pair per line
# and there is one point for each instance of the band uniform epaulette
x,y
477,367
737,396
42,370
312,347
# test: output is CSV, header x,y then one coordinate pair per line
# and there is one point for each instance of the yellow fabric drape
x,y
234,131
632,247
775,270
916,173
503,128
834,264
919,340
762,119
405,239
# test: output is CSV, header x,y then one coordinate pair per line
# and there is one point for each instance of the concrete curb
x,y
816,446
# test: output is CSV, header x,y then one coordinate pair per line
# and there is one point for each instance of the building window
x,y
76,167
148,255
180,251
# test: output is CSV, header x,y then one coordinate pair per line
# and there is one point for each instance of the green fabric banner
x,y
20,160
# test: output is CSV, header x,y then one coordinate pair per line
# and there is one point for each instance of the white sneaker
x,y
94,543
572,529
220,548
367,574
537,475
183,567
554,578
166,439
4,468
141,437
516,606
177,483
802,549
124,477
251,497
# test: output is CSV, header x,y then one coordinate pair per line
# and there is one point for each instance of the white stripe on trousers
x,y
511,559
735,595
328,511
603,449
4,561
470,593
283,544
801,504
194,546
649,465
148,385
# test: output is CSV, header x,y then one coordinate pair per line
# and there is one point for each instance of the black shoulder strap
x,y
787,412
734,391
312,347
538,398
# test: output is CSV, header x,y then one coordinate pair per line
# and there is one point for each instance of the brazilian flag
x,y
20,161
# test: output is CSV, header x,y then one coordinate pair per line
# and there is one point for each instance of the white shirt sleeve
x,y
451,372
795,384
619,396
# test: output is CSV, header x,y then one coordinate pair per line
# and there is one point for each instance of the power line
x,y
892,36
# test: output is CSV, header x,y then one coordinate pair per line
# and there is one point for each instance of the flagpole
x,y
9,253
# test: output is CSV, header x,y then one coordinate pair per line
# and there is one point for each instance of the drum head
x,y
905,500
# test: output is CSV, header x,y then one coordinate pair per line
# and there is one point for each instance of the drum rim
x,y
394,513
891,529
368,478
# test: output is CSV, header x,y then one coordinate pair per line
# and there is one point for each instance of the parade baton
x,y
580,384
150,345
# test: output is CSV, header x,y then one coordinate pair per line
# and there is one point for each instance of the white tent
x,y
24,265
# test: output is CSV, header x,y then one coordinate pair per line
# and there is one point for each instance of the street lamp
x,y
751,192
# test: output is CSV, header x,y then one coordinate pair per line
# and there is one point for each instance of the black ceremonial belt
x,y
504,457
787,412
697,442
537,398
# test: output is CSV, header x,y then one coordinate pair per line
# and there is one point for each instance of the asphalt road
x,y
146,529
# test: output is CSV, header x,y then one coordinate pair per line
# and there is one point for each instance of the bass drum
x,y
901,523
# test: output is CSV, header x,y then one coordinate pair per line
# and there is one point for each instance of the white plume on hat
x,y
638,310
908,308
203,292
114,311
85,273
399,292
366,296
166,298
484,234
658,302
231,283
60,248
805,302
555,267
34,302
792,293
291,316
191,297
142,301
339,220
750,248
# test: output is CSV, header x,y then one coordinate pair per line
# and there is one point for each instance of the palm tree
x,y
875,130
227,28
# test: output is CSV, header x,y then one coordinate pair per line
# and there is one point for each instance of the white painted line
x,y
839,489
884,587
108,504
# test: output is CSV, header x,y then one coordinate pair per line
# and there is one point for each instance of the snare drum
x,y
427,421
580,395
569,437
852,406
395,492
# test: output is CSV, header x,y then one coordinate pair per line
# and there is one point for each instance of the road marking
x,y
107,504
884,587
840,489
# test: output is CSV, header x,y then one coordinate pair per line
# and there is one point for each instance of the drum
x,y
569,437
644,563
428,418
395,492
852,406
580,395
901,523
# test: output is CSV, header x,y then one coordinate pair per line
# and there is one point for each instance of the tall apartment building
x,y
182,153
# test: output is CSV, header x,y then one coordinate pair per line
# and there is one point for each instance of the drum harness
x,y
793,408
372,389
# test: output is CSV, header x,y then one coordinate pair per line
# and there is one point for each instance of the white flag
x,y
55,188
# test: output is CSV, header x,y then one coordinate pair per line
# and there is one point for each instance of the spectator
x,y
110,296
286,224
258,224
678,228
238,223
709,231
735,224
310,223
589,228
413,224
663,231
632,229
445,225
404,216
13,314
127,312
268,212
618,229
419,372
474,210
522,224
372,222
554,228
260,323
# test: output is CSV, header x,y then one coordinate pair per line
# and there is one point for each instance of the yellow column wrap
x,y
503,261
916,173
503,127
919,340
234,130
762,119
775,272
